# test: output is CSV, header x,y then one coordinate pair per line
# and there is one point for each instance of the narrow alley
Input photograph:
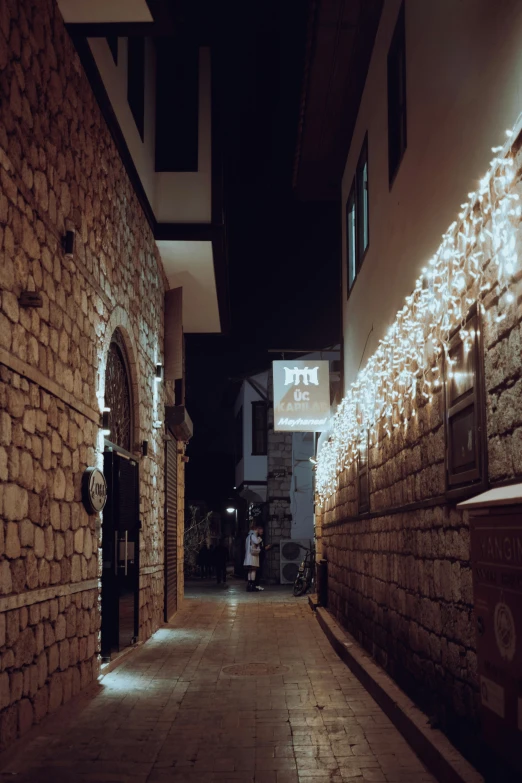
x,y
238,688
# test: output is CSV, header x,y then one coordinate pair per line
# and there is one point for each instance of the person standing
x,y
251,562
220,561
263,550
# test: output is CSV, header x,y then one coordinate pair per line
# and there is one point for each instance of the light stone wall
x,y
279,479
399,579
59,169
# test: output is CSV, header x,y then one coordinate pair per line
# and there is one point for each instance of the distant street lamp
x,y
233,510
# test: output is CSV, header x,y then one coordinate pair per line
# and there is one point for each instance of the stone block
x,y
12,541
15,502
26,533
25,648
25,716
41,703
5,694
8,726
5,428
16,686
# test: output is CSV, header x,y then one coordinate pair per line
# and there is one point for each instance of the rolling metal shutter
x,y
171,528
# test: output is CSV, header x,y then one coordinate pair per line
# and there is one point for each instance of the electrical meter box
x,y
495,519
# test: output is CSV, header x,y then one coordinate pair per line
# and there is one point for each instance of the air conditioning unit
x,y
292,554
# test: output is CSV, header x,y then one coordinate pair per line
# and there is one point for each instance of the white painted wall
x,y
175,197
115,82
251,467
464,88
185,196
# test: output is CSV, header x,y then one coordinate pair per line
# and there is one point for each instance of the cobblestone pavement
x,y
172,712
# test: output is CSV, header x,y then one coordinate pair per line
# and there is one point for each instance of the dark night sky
x,y
283,254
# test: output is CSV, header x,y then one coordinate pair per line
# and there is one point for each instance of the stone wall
x,y
59,169
279,479
399,577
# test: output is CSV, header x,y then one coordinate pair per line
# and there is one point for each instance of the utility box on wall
x,y
496,557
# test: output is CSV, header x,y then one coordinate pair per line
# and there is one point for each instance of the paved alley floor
x,y
288,710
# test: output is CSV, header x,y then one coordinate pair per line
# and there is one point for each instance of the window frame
x,y
136,63
259,404
355,203
359,204
351,206
465,482
397,111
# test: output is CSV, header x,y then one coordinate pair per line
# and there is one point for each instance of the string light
x,y
449,284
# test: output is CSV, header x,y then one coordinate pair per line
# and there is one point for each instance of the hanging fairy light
x,y
406,362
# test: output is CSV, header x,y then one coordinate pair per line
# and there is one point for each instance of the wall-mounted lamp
x,y
231,510
144,448
106,421
68,243
30,299
159,372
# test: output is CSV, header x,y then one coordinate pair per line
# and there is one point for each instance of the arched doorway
x,y
120,534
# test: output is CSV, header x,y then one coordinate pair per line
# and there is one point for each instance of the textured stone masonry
x,y
400,580
59,169
279,466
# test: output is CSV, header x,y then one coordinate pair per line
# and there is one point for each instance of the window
x,y
397,97
112,40
357,218
363,479
177,105
362,212
136,81
465,430
239,436
351,238
259,428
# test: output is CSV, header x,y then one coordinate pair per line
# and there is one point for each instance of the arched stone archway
x,y
119,353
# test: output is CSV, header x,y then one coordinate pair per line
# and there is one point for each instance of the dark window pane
x,y
362,212
350,238
462,440
177,106
363,491
462,372
136,82
259,428
397,139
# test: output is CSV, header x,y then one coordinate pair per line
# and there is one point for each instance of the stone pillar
x,y
279,454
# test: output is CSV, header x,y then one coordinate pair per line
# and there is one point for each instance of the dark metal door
x,y
171,528
120,542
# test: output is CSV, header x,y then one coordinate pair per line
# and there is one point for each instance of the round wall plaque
x,y
94,490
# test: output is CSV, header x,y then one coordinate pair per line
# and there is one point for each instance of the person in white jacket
x,y
252,549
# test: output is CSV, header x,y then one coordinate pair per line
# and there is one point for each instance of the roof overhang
x,y
104,11
340,40
190,264
179,422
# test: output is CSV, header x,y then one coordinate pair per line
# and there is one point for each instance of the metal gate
x,y
120,542
171,528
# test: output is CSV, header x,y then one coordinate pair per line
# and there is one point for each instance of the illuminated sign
x,y
301,395
94,490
